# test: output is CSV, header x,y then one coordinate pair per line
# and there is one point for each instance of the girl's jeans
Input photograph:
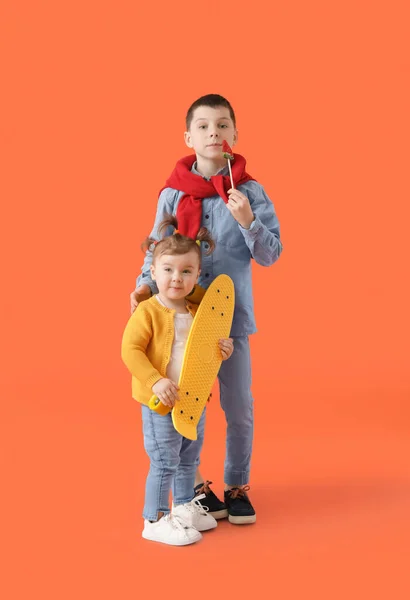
x,y
173,462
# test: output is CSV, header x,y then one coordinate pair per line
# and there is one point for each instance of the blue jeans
x,y
173,462
235,380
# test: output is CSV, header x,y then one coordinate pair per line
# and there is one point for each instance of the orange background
x,y
93,99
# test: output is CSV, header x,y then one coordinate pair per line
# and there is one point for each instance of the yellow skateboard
x,y
202,357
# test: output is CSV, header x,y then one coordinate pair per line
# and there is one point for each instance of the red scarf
x,y
195,188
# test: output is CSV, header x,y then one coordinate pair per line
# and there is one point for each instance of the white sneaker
x,y
195,515
171,530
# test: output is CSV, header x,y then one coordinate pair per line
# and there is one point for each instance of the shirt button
x,y
206,216
206,274
206,246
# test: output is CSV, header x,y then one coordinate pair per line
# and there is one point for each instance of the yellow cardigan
x,y
147,342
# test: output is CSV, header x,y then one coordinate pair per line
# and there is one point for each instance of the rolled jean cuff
x,y
236,477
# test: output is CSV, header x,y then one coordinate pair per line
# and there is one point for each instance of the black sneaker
x,y
240,509
215,507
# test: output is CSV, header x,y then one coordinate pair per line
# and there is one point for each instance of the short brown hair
x,y
177,243
213,101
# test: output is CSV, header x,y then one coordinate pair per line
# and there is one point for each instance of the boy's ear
x,y
187,138
235,137
152,269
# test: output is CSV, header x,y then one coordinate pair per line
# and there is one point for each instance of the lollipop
x,y
228,154
227,150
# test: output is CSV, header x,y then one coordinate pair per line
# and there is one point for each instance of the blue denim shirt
x,y
234,245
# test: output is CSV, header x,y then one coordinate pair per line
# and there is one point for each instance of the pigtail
x,y
204,236
168,221
148,244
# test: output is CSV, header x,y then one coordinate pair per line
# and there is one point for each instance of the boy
x,y
243,224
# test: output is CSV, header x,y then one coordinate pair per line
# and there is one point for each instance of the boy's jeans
x,y
237,402
173,462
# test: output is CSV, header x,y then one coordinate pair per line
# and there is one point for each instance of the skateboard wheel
x,y
156,405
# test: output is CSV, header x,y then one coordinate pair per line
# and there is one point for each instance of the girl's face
x,y
176,274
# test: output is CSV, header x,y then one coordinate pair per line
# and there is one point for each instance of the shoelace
x,y
239,492
196,506
176,522
205,489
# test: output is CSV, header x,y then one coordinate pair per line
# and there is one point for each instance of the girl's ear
x,y
152,269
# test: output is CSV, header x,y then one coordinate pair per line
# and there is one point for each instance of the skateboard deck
x,y
202,357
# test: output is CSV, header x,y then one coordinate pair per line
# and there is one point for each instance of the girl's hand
x,y
167,391
226,347
240,208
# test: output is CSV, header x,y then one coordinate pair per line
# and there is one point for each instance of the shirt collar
x,y
223,171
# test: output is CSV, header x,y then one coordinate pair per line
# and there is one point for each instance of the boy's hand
x,y
240,208
167,391
226,347
143,292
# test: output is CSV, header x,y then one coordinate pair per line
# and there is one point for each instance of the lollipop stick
x,y
230,173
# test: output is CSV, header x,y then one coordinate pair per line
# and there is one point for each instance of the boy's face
x,y
176,274
209,128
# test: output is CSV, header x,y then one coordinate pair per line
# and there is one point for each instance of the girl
x,y
152,349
